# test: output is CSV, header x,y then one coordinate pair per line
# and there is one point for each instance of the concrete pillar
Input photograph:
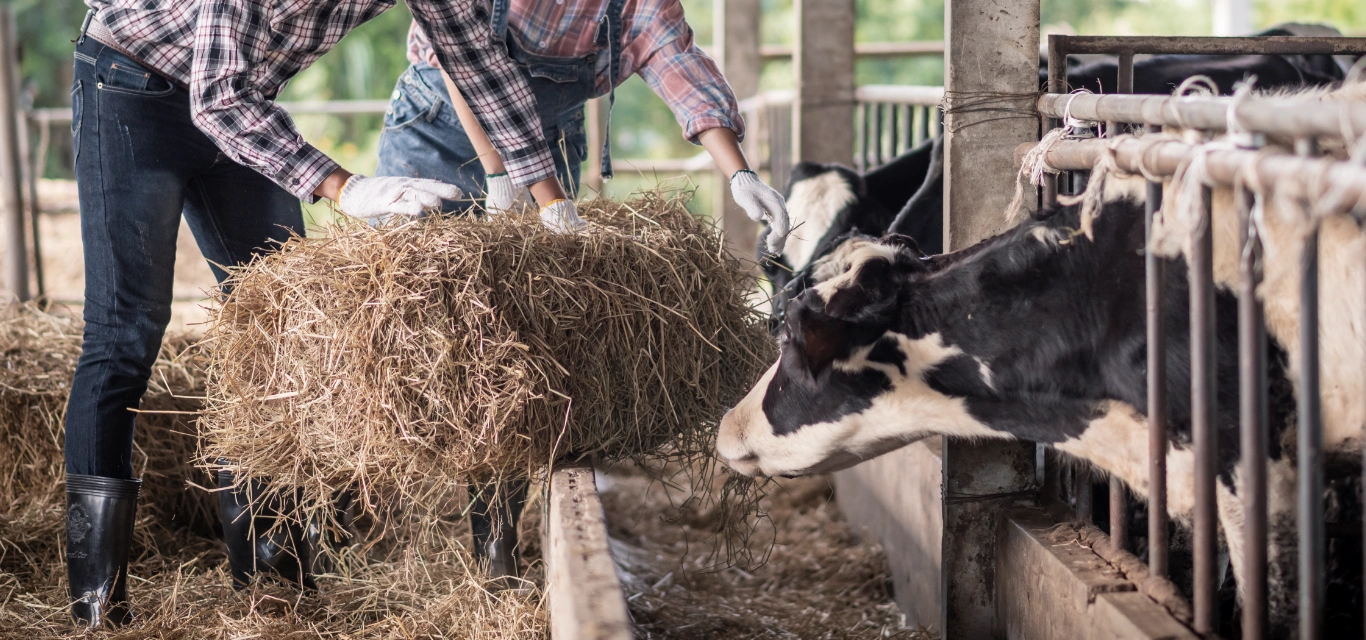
x,y
736,40
992,47
15,278
823,114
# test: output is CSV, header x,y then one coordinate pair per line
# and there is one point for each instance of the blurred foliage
x,y
368,62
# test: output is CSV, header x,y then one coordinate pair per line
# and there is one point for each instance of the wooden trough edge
x,y
585,597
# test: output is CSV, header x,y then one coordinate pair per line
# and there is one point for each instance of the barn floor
x,y
820,581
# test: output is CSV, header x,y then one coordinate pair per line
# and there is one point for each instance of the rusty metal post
x,y
1203,426
1252,413
1155,278
823,60
1310,445
988,51
11,172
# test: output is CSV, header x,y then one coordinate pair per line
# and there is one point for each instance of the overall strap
x,y
500,18
610,30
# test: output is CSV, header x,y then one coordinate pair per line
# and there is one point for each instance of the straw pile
x,y
402,360
413,582
817,581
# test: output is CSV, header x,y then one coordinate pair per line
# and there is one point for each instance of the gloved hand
x,y
366,197
762,203
501,193
561,216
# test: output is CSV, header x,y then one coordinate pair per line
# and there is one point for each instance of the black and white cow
x,y
830,203
1036,334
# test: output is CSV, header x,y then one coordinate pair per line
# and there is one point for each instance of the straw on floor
x,y
414,582
401,361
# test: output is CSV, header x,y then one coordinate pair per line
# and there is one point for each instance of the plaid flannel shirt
x,y
656,42
236,55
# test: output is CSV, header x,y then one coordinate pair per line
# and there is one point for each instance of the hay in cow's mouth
x,y
402,361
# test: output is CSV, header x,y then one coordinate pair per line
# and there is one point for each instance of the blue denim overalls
x,y
423,138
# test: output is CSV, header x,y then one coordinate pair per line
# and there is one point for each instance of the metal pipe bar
x,y
861,159
1215,46
1252,411
1057,83
1155,281
1293,175
1081,492
1203,427
893,130
1119,515
876,110
1290,117
1310,449
923,126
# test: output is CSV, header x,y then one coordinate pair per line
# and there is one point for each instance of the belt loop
x,y
85,24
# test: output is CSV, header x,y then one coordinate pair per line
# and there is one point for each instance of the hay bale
x,y
395,360
40,349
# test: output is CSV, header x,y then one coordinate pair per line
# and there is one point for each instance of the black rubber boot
x,y
494,513
255,541
99,530
318,538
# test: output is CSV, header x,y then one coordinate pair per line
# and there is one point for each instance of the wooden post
x,y
993,46
735,40
823,113
11,175
586,602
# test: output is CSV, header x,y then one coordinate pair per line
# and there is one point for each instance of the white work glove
x,y
762,203
561,216
366,197
501,193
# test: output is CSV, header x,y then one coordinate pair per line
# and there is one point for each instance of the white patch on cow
x,y
1117,443
1047,236
855,260
985,371
837,261
911,410
812,208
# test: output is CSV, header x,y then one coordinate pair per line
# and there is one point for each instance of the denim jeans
x,y
140,163
423,138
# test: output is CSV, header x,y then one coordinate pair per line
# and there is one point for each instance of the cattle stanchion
x,y
1253,412
1203,425
1155,281
1310,427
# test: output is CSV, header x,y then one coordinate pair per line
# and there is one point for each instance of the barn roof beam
x,y
1290,117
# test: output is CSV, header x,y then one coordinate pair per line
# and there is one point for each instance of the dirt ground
x,y
820,580
64,269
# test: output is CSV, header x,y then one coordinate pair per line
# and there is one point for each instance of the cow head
x,y
849,383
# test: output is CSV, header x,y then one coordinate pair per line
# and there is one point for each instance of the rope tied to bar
x,y
1237,133
1188,219
1035,163
1093,198
1192,87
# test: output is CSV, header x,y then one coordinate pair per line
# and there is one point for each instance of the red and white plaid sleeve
x,y
683,75
230,49
490,81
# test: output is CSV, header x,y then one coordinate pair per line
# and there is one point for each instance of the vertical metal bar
x,y
1124,84
906,123
1081,490
11,174
864,125
923,129
893,130
876,108
1310,426
1119,515
1203,427
1157,395
1252,411
1057,83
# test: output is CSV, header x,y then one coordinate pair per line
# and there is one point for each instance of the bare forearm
x,y
724,149
483,147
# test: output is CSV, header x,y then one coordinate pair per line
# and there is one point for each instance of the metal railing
x,y
1305,122
892,120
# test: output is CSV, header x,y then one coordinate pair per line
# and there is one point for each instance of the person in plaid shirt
x,y
570,52
173,113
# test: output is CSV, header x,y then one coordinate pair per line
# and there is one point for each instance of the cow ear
x,y
822,337
869,295
904,242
